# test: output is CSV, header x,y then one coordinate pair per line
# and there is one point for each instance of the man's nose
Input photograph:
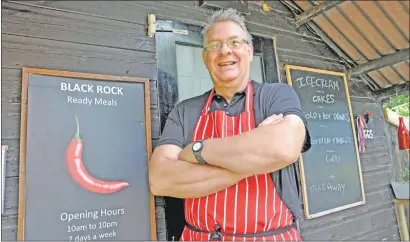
x,y
225,50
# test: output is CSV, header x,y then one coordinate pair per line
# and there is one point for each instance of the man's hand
x,y
186,154
271,120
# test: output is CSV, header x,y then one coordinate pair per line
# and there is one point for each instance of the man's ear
x,y
204,58
250,51
203,55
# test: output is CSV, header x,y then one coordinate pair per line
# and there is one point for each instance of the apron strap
x,y
217,234
249,97
205,109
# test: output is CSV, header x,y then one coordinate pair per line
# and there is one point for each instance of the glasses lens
x,y
235,43
232,43
213,46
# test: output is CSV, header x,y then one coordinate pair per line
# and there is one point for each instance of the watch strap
x,y
199,158
197,153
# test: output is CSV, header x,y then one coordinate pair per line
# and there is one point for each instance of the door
x,y
182,74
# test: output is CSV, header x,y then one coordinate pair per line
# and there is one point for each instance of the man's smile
x,y
227,63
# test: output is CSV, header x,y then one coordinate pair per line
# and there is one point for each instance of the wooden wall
x,y
41,36
110,38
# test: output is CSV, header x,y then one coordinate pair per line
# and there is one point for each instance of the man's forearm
x,y
261,150
182,179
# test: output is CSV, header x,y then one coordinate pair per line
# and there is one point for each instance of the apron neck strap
x,y
248,99
207,106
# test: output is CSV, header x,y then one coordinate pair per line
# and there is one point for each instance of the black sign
x,y
85,141
330,170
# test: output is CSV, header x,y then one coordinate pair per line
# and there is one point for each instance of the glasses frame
x,y
221,43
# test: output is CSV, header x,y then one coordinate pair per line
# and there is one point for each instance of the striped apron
x,y
249,210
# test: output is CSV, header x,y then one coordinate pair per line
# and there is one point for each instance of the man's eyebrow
x,y
231,37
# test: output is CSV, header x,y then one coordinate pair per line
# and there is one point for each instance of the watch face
x,y
196,146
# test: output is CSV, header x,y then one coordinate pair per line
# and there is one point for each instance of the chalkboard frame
x,y
308,215
26,72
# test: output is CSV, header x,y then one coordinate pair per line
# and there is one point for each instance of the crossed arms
x,y
275,144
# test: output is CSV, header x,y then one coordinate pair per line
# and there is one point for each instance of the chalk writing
x,y
333,159
341,117
342,140
368,134
337,116
328,98
335,140
328,187
321,141
311,81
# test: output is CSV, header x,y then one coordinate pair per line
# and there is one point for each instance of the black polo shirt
x,y
268,99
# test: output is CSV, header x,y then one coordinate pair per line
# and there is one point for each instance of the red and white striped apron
x,y
250,206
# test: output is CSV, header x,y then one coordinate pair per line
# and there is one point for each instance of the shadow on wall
x,y
174,207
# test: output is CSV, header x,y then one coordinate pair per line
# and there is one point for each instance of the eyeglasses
x,y
232,43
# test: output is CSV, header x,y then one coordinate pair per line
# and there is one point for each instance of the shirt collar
x,y
240,93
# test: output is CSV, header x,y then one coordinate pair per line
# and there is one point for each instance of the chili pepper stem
x,y
77,135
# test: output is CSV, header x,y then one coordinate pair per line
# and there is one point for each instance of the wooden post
x,y
401,218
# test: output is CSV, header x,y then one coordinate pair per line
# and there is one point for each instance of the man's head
x,y
228,49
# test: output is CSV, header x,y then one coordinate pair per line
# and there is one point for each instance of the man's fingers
x,y
276,118
271,119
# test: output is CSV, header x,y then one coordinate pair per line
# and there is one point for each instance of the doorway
x,y
182,74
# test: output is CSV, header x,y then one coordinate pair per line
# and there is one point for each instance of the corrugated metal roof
x,y
366,31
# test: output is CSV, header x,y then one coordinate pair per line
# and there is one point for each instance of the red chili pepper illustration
x,y
80,175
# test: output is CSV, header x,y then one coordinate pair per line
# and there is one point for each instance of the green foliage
x,y
399,104
406,175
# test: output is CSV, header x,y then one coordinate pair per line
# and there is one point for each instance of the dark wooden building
x,y
367,40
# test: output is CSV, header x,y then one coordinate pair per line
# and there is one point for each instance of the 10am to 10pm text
x,y
90,227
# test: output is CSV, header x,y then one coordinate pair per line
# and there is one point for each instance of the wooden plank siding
x,y
53,39
110,37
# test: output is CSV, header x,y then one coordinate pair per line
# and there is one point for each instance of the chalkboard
x,y
331,174
85,146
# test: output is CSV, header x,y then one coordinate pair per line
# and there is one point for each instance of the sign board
x,y
85,146
331,174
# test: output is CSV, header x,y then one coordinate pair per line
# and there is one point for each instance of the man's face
x,y
227,66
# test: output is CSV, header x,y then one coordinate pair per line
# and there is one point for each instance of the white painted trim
x,y
393,118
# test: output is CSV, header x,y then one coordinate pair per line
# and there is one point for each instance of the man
x,y
218,150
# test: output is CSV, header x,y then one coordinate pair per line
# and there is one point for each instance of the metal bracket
x,y
153,27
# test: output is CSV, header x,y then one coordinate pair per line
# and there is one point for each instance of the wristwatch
x,y
197,147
